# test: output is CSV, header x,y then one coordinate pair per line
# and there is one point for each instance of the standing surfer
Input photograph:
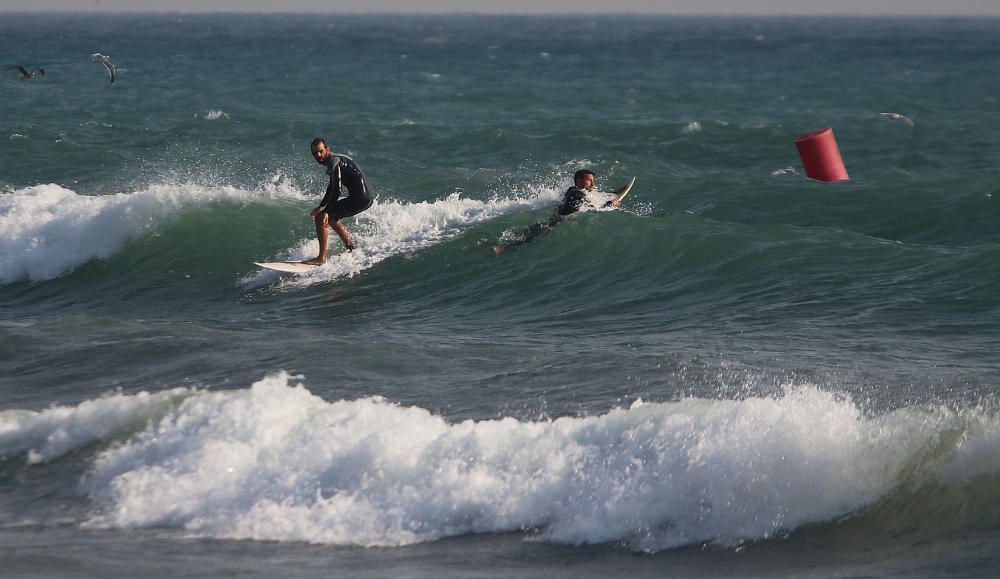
x,y
342,171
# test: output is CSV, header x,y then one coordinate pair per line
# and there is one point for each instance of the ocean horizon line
x,y
497,14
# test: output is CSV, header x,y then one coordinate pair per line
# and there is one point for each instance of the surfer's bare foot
x,y
314,261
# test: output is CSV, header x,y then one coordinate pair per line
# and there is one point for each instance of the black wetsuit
x,y
573,200
343,171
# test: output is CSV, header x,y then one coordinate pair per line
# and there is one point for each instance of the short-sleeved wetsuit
x,y
343,171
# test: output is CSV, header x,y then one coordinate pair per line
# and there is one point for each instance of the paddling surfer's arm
x,y
573,200
615,201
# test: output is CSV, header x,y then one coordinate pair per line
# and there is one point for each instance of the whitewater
x,y
275,462
740,373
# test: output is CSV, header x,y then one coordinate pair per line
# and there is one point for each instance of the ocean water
x,y
741,372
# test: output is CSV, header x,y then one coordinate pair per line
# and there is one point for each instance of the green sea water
x,y
742,371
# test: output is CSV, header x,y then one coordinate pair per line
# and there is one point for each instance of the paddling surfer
x,y
343,172
575,198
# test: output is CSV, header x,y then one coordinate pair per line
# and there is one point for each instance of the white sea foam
x,y
213,115
51,433
391,228
276,462
47,230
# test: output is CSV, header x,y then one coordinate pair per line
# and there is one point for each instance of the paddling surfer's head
x,y
320,151
584,180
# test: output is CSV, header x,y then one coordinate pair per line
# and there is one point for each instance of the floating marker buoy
x,y
821,157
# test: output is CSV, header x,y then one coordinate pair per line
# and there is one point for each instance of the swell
x,y
163,246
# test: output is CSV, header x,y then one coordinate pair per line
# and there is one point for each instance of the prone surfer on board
x,y
574,199
343,172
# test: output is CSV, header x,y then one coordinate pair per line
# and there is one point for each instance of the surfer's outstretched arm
x,y
620,194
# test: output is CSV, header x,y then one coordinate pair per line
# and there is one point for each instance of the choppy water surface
x,y
741,372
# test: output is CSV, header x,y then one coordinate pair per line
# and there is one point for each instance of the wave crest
x,y
276,462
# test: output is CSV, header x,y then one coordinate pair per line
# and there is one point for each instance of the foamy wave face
x,y
976,453
276,462
52,433
47,231
394,228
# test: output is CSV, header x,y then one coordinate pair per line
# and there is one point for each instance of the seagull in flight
x,y
897,117
25,75
98,57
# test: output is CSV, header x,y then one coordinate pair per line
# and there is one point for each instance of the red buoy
x,y
821,157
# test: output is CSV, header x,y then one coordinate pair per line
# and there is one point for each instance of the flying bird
x,y
897,117
98,57
25,75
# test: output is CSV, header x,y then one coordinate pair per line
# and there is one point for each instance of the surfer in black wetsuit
x,y
575,198
343,172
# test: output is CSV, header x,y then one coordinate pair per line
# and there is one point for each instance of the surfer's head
x,y
320,151
584,179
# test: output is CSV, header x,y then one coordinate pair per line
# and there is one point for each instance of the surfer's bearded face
x,y
320,153
585,182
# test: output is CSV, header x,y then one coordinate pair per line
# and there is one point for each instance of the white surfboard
x,y
286,266
628,188
620,196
